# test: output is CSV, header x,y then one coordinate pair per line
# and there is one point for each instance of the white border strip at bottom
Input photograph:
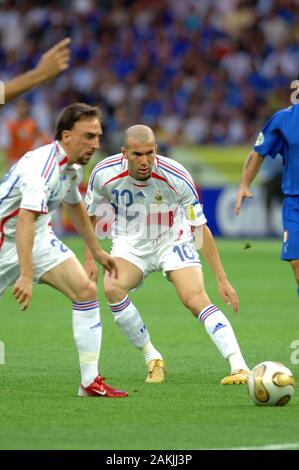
x,y
291,445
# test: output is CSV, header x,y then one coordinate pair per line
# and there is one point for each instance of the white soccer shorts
x,y
48,252
168,256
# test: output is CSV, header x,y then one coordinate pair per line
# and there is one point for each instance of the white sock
x,y
220,331
131,324
87,330
150,352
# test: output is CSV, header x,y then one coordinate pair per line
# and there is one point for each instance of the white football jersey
x,y
143,212
38,182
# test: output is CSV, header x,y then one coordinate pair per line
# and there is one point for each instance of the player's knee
x,y
193,302
113,292
87,291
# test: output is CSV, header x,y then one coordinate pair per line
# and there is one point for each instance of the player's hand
x,y
22,291
243,193
91,269
109,263
228,293
55,60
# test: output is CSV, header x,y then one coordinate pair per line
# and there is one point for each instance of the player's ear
x,y
123,151
66,136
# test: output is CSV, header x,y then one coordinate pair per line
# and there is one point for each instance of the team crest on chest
x,y
158,198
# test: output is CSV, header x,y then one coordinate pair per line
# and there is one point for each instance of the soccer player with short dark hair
x,y
280,135
31,253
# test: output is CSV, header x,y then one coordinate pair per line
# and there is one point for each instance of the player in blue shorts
x,y
280,135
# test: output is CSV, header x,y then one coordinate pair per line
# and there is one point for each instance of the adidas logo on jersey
x,y
140,195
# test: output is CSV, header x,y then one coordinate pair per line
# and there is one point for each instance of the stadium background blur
x,y
204,75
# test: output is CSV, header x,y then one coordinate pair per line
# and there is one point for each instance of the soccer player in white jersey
x,y
155,204
29,250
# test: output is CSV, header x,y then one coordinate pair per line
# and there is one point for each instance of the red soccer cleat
x,y
98,388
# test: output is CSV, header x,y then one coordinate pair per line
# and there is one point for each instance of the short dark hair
x,y
73,113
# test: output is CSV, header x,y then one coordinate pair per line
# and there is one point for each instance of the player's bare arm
x,y
89,263
82,223
52,62
249,172
211,254
22,290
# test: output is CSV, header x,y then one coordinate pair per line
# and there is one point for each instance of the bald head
x,y
139,133
139,150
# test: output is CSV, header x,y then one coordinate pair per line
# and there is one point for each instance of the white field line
x,y
291,445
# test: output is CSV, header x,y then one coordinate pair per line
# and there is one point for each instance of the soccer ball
x,y
271,383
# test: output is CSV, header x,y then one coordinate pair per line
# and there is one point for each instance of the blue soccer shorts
x,y
290,221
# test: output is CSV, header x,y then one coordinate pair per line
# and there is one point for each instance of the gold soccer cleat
x,y
156,371
238,377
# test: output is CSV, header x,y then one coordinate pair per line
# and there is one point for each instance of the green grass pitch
x,y
39,408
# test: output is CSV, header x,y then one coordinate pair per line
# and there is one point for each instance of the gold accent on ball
x,y
281,380
259,389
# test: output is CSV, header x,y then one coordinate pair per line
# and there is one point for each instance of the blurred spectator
x,y
22,133
203,71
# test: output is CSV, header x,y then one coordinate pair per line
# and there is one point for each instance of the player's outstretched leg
x,y
189,284
220,331
131,324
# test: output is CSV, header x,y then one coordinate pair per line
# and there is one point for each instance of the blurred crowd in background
x,y
196,71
